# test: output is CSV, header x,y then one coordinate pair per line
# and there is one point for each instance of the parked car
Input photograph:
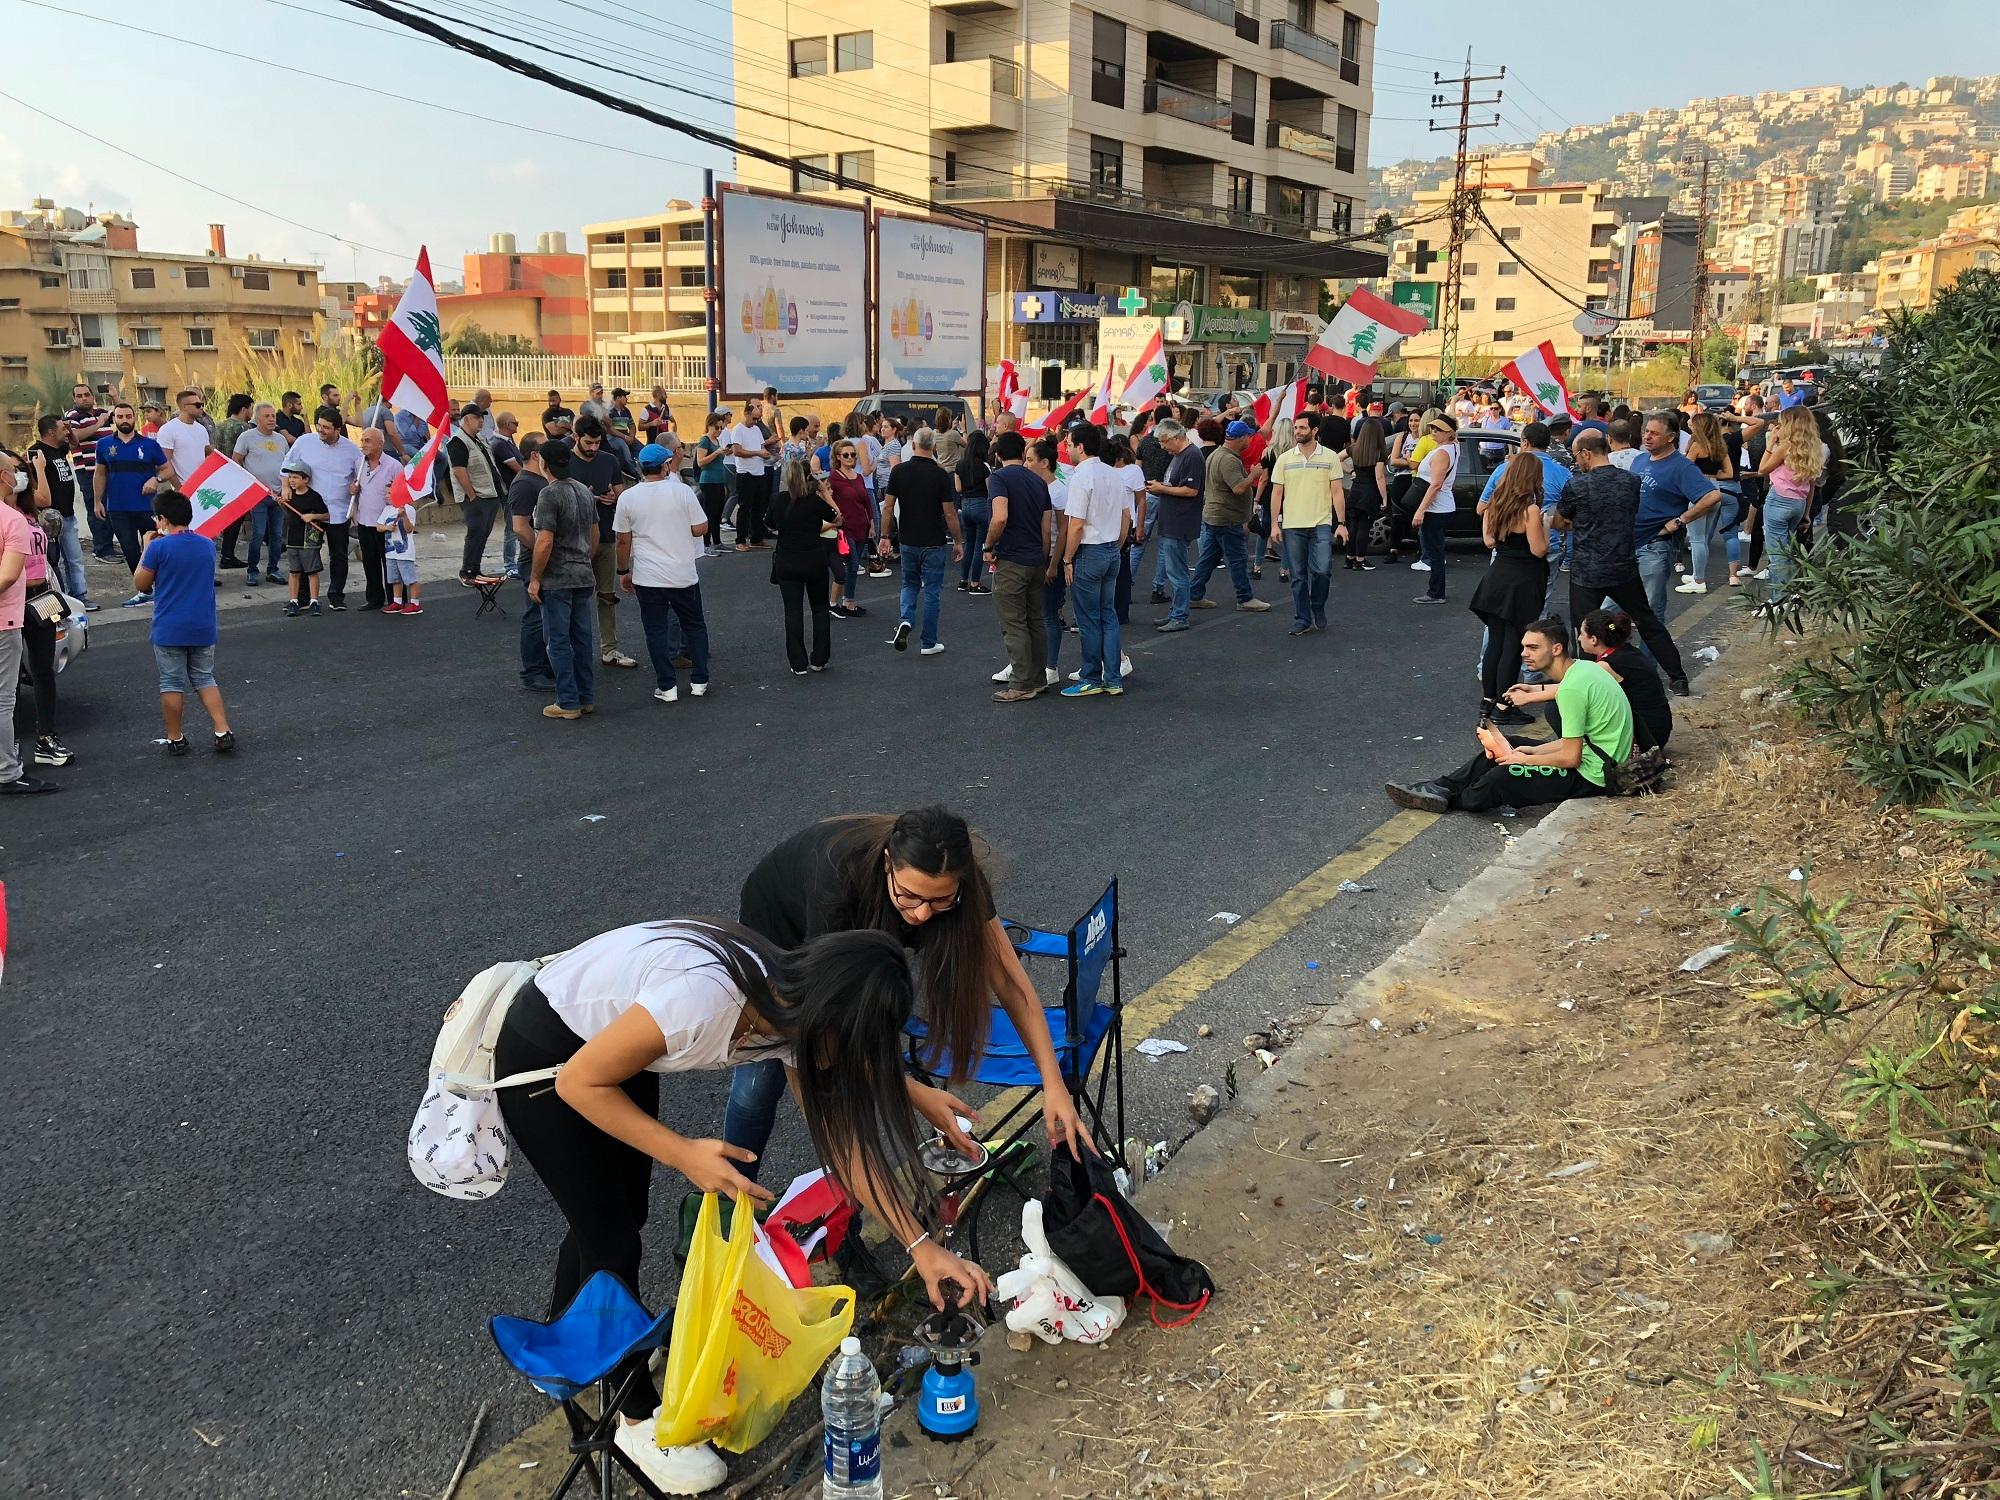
x,y
1415,394
72,640
1715,395
917,408
1474,469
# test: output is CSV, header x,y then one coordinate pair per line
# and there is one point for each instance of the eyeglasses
x,y
937,906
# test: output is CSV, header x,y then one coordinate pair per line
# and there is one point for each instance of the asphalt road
x,y
227,973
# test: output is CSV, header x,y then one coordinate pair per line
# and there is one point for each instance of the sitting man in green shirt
x,y
1597,723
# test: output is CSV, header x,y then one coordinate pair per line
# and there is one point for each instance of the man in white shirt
x,y
749,456
659,525
1098,522
372,478
184,437
333,461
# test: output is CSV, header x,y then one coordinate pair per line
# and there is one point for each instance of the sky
x,y
267,102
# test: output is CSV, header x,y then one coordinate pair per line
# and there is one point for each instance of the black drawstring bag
x,y
1110,1246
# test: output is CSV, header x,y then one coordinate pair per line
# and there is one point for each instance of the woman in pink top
x,y
19,609
1794,460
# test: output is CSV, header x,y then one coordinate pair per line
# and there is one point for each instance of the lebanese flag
x,y
1149,376
1361,335
1539,373
1054,420
1100,400
1283,402
414,483
412,345
221,491
1010,394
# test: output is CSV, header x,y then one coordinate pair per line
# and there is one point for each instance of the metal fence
x,y
537,374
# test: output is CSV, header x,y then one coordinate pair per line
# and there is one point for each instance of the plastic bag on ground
x,y
1048,1300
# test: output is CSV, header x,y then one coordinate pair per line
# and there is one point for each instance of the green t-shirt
x,y
1594,709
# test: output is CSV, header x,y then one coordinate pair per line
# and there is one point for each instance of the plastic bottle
x,y
850,1400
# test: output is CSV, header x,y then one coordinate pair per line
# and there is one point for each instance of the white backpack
x,y
458,1141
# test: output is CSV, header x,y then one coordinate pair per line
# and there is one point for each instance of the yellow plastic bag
x,y
745,1343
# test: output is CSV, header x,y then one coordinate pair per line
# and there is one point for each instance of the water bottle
x,y
850,1400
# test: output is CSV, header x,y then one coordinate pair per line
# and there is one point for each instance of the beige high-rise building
x,y
1211,153
645,277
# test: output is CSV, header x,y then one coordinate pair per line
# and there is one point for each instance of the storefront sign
x,y
1055,265
1297,325
1220,325
1417,297
1060,307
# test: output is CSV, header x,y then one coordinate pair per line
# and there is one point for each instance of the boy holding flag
x,y
178,570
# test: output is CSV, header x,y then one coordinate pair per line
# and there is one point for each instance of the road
x,y
226,1283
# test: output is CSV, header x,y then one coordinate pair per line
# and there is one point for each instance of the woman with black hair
x,y
623,1008
975,508
917,877
1605,637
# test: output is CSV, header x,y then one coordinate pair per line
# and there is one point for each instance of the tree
x,y
1718,357
469,338
1385,225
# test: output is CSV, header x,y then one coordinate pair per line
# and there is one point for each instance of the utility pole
x,y
1463,196
1698,313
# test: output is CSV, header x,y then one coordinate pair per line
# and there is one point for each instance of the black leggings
x,y
600,1184
1500,668
807,596
714,497
38,650
1363,501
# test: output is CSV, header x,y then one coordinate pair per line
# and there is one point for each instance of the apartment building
x,y
78,295
1949,181
1209,154
645,278
1910,280
1765,198
539,296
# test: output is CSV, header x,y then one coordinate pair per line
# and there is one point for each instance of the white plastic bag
x,y
1048,1301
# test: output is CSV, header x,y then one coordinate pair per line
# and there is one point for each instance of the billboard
x,y
793,305
1418,297
930,309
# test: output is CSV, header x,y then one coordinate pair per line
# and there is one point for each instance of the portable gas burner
x,y
948,1401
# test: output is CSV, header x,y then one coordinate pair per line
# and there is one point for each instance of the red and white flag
x,y
1009,394
1055,418
1100,399
1539,373
412,345
418,476
1148,380
1281,401
1361,336
221,491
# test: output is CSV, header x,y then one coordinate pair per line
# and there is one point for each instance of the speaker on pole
x,y
1051,384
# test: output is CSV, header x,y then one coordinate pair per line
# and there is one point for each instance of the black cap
x,y
617,391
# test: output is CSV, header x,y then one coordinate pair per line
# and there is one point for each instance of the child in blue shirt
x,y
178,570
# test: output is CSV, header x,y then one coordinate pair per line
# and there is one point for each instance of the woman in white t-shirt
x,y
621,1009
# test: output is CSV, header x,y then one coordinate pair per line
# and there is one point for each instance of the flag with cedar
x,y
1281,401
419,475
1361,336
412,345
221,492
1148,380
1539,373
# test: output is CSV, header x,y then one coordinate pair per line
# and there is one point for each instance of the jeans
x,y
1430,547
1093,594
534,644
267,531
510,545
658,609
1161,581
974,515
100,527
1173,567
71,571
924,566
127,526
572,649
754,1091
1701,534
1656,566
1309,559
1781,525
1053,595
1220,543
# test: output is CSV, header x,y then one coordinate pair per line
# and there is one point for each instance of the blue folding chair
x,y
582,1346
1087,1027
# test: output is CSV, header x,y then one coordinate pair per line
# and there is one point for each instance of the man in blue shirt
x,y
1672,492
130,467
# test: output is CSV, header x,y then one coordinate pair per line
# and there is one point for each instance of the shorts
x,y
302,559
185,669
399,570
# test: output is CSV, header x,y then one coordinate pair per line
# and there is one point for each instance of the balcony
x,y
977,94
102,359
1305,44
1163,98
1311,143
1216,10
92,300
973,7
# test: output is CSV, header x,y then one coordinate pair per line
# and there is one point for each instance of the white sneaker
x,y
1691,586
1052,675
1420,567
931,650
699,689
1003,674
1761,573
676,1471
1077,675
667,695
616,659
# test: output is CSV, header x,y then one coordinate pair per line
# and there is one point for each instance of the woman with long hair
x,y
1368,449
620,1010
1509,597
849,493
975,509
918,877
1708,450
38,635
1437,480
807,521
1794,460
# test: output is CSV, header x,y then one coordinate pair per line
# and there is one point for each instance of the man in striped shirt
x,y
87,423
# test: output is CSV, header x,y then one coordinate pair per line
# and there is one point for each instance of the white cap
x,y
850,1345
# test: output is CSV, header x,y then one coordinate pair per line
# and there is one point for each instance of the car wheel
x,y
1379,532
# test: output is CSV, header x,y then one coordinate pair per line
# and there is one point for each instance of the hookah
x,y
948,1401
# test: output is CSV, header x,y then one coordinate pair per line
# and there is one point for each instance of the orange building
x,y
539,297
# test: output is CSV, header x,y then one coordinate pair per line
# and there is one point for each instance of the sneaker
x,y
1159,596
1420,566
1167,627
964,585
338,605
1201,604
1761,573
854,611
977,588
1425,796
699,689
936,648
1300,630
1253,606
1680,688
901,639
667,695
616,658
136,601
1005,674
413,609
91,606
26,786
1112,692
722,547
225,742
291,609
1369,567
314,610
1428,599
557,711
1077,675
798,671
251,579
673,1471
1691,586
50,751
587,708
538,684
820,666
1319,622
177,747
836,611
1083,690
1016,695
370,609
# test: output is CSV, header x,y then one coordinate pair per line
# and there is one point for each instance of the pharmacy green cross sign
x,y
1131,303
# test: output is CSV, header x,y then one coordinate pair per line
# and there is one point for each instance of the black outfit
x,y
801,567
480,511
296,508
922,489
38,653
600,1183
1755,487
1652,710
374,553
1481,784
291,426
1508,600
1364,502
1602,505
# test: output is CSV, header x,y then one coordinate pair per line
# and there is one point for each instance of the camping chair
x,y
489,587
582,1346
1087,1027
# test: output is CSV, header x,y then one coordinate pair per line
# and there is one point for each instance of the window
x,y
614,279
261,338
951,166
809,57
612,323
10,304
1348,129
1238,288
302,278
1503,304
1173,283
1511,232
693,277
1526,200
146,338
196,279
51,283
649,236
257,281
1243,106
1503,335
615,237
1350,38
201,338
652,276
1468,304
1569,197
1107,61
854,52
142,278
951,46
810,176
858,166
55,338
13,361
1467,270
1294,201
1241,186
1299,13
1107,162
1509,268
692,232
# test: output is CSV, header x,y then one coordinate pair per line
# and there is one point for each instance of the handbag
x,y
1639,774
1111,1248
49,606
